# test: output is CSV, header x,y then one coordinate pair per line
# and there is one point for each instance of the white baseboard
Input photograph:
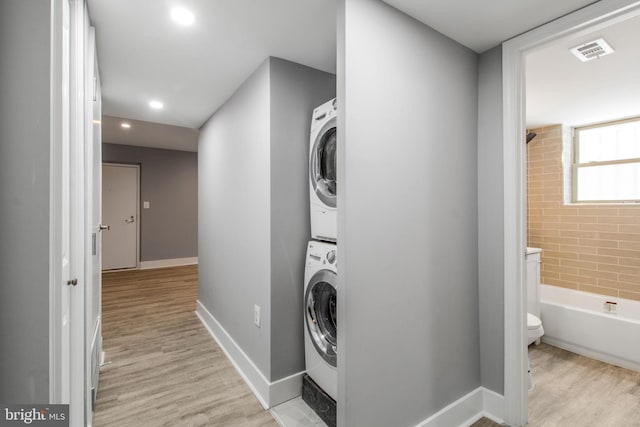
x,y
591,353
465,411
493,405
268,393
162,263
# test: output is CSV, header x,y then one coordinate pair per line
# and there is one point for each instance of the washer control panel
x,y
319,253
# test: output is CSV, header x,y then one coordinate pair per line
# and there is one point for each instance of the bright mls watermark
x,y
35,415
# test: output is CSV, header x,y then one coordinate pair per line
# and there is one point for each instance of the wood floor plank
x,y
572,390
575,391
166,369
485,422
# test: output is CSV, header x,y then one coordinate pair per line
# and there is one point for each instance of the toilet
x,y
534,329
534,333
534,324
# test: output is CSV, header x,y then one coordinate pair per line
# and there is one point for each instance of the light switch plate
x,y
256,315
146,205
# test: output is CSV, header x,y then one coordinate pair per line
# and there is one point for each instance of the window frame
x,y
575,165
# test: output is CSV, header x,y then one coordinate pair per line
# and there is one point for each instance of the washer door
x,y
320,314
322,166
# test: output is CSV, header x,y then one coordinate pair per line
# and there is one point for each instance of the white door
x,y
60,208
120,213
77,207
67,211
93,249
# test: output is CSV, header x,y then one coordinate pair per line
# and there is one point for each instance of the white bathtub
x,y
577,321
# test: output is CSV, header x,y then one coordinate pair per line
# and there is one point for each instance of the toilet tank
x,y
533,280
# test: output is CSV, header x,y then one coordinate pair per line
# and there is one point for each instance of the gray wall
x,y
407,212
169,181
234,230
295,91
491,220
254,211
24,201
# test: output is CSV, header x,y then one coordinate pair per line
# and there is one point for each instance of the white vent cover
x,y
592,50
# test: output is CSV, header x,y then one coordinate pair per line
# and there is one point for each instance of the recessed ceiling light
x,y
182,16
156,105
125,125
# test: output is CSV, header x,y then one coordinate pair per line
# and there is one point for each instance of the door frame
x,y
67,361
59,342
137,167
93,212
77,169
586,20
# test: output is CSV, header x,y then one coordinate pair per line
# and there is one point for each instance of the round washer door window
x,y
323,165
320,314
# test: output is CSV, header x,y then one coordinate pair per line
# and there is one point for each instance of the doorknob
x,y
130,220
103,227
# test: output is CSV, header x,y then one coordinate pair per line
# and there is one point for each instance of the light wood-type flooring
x,y
572,390
575,391
165,369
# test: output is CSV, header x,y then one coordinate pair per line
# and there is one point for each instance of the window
x,y
606,164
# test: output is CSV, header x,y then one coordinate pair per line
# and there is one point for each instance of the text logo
x,y
36,415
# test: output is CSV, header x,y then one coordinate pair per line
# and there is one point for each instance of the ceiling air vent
x,y
592,50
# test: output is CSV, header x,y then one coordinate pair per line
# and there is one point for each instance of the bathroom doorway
x,y
574,30
583,188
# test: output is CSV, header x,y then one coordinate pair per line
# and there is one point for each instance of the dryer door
x,y
322,166
320,314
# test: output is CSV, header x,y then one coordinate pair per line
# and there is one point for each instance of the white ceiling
x,y
146,134
481,25
143,55
561,89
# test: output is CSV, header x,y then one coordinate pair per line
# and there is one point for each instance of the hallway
x,y
166,369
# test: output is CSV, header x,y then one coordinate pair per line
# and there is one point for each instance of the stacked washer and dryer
x,y
320,270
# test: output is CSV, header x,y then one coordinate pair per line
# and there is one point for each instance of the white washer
x,y
322,172
320,332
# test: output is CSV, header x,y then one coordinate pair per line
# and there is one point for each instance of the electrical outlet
x,y
256,315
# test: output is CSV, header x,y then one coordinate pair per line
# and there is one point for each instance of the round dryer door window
x,y
323,164
320,308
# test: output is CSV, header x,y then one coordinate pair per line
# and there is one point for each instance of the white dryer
x,y
322,172
320,332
